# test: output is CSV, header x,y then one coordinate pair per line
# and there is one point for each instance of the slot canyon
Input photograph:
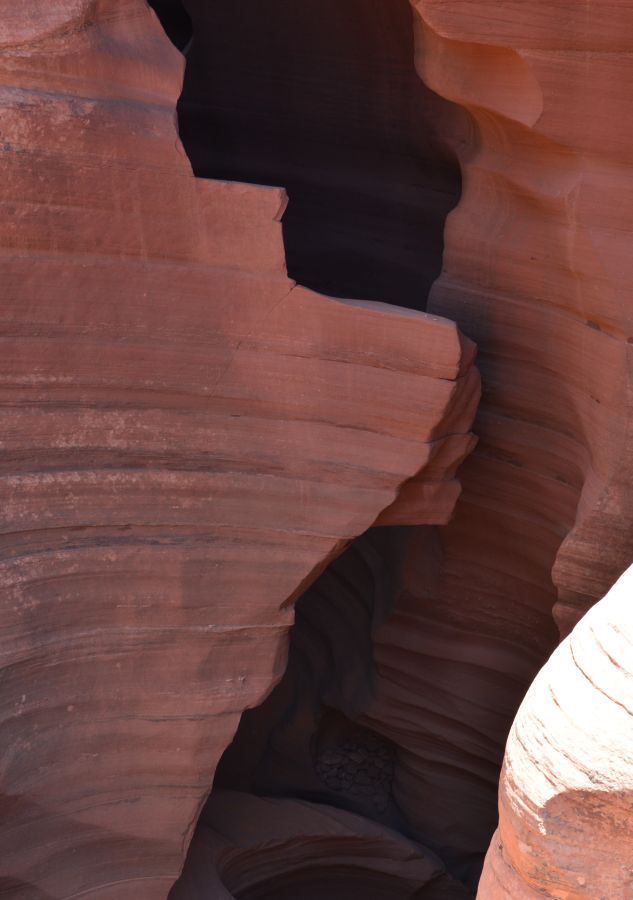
x,y
315,473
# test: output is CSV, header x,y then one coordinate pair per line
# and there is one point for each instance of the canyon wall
x,y
190,439
536,270
187,438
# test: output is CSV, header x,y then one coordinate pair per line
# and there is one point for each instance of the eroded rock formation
x,y
536,272
535,269
566,795
322,97
187,438
281,849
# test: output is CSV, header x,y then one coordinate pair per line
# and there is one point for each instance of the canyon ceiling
x,y
315,380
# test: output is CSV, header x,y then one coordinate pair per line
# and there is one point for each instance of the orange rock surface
x,y
187,438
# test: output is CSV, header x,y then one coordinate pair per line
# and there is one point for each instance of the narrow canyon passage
x,y
279,568
323,99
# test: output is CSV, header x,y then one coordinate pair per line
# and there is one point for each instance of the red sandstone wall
x,y
537,271
187,438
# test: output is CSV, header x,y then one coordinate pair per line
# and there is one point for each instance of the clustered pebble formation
x,y
362,768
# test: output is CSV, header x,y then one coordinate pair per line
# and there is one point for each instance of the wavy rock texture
x,y
306,740
277,848
535,270
322,97
187,439
566,796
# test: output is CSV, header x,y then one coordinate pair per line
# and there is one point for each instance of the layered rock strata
x,y
566,795
306,742
280,849
536,271
188,437
536,268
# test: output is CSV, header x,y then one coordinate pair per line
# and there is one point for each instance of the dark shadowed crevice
x,y
312,741
304,740
322,97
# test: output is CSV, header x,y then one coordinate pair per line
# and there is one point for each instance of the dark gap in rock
x,y
322,97
176,21
313,749
303,740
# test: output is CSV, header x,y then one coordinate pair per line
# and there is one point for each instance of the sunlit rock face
x,y
566,794
536,270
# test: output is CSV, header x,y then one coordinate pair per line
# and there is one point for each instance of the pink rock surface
x,y
566,795
187,439
536,269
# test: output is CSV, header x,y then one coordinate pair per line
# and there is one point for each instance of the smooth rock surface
x,y
187,439
282,849
566,795
536,267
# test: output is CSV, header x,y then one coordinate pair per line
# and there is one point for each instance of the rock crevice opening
x,y
322,97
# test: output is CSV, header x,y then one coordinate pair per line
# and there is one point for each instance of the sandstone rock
x,y
566,796
187,438
536,268
536,271
278,848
